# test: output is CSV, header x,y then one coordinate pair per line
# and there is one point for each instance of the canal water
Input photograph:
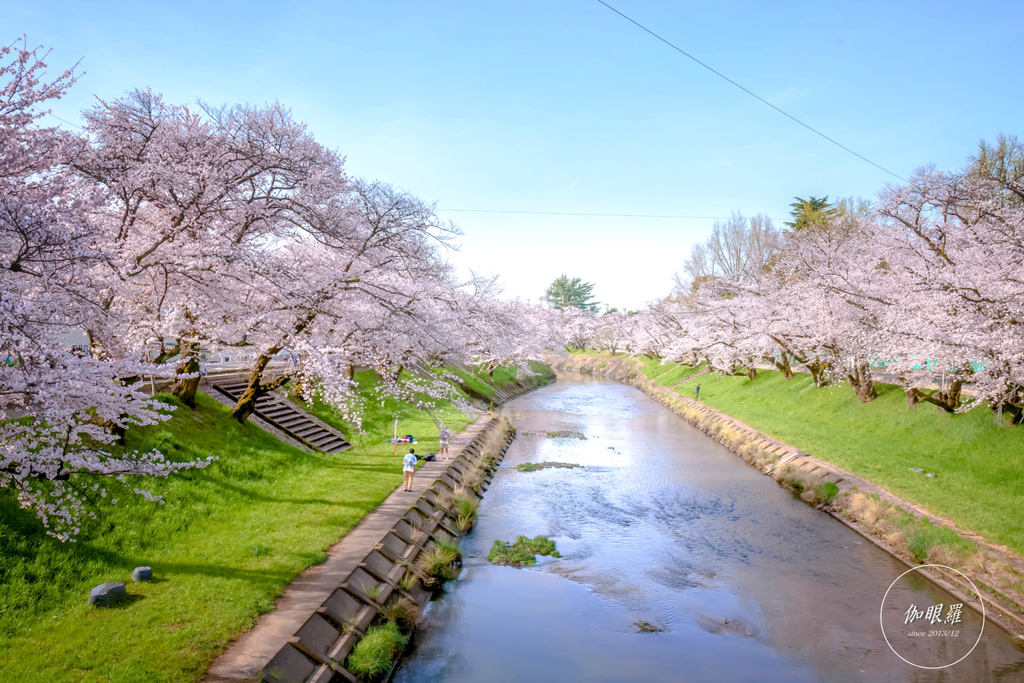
x,y
667,527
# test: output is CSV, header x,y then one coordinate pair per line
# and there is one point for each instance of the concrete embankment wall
x,y
316,652
785,463
322,615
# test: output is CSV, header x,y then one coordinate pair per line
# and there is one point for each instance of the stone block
x,y
142,574
107,594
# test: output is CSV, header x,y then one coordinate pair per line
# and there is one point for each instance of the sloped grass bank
x,y
978,460
225,544
483,383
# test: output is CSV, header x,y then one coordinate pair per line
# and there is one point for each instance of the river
x,y
665,526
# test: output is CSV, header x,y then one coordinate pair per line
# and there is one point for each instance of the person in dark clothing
x,y
698,393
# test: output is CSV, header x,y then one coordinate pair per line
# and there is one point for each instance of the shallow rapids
x,y
667,527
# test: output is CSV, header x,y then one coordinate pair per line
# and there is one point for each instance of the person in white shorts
x,y
409,469
446,437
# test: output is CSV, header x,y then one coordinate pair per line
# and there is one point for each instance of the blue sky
x,y
564,106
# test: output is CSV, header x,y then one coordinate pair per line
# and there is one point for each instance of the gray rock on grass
x,y
142,574
106,594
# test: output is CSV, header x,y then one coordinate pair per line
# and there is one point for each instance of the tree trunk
x,y
166,353
246,404
782,363
952,395
911,398
819,371
948,400
350,371
860,379
188,364
398,371
1016,411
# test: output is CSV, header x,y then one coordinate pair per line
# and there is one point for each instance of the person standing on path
x,y
408,469
698,393
445,437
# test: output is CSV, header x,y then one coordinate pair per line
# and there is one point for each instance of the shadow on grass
x,y
125,602
161,570
219,571
250,494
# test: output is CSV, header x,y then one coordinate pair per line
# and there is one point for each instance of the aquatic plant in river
x,y
523,552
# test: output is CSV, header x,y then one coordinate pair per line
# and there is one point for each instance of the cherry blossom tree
x,y
927,284
578,326
613,331
958,241
193,198
60,412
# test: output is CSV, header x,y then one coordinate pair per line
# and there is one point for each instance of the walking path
x,y
251,651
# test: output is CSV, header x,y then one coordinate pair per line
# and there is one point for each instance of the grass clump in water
x,y
448,544
373,655
402,611
534,466
646,626
827,492
438,563
474,479
523,552
464,509
562,434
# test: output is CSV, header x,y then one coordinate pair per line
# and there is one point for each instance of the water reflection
x,y
666,526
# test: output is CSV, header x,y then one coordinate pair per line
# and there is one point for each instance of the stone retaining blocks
x,y
317,651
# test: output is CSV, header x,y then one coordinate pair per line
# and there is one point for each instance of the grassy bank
x,y
483,383
225,544
977,458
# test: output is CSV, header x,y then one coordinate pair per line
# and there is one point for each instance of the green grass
x,y
668,373
921,536
678,373
374,653
545,374
978,461
523,552
437,562
653,368
483,384
595,352
379,418
827,492
225,544
474,383
501,377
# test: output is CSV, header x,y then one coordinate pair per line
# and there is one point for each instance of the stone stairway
x,y
514,390
692,377
285,416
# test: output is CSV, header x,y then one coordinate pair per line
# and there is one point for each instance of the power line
x,y
576,213
64,120
757,97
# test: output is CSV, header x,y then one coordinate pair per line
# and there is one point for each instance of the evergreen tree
x,y
567,292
